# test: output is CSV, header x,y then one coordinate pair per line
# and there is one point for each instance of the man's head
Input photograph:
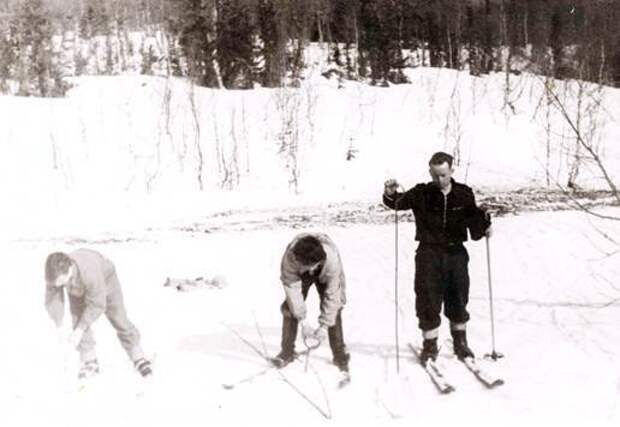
x,y
309,251
59,270
441,170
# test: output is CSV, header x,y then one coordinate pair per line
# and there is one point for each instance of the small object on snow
x,y
187,285
434,372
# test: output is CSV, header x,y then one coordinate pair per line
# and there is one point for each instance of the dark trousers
x,y
290,323
441,276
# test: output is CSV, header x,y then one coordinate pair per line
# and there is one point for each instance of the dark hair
x,y
57,263
439,158
308,250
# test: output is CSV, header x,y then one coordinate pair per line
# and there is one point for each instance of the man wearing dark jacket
x,y
443,211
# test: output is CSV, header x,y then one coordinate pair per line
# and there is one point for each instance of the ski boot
x,y
88,369
429,350
289,334
459,342
144,367
282,359
342,362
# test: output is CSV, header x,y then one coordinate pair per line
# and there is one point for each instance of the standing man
x,y
312,258
93,289
443,211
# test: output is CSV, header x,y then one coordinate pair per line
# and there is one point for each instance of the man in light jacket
x,y
312,258
93,289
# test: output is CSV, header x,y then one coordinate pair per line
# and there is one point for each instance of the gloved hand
x,y
307,331
309,334
390,187
321,334
489,231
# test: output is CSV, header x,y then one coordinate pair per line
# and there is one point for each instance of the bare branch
x,y
584,144
584,207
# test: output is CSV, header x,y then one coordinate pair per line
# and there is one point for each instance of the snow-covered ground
x,y
557,307
116,166
125,149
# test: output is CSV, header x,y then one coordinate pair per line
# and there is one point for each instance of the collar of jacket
x,y
433,187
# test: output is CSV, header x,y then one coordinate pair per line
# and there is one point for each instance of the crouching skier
x,y
93,289
312,259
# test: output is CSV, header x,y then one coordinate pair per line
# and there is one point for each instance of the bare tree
x,y
288,105
453,131
585,140
195,110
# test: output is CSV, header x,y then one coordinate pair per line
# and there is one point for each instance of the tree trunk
x,y
357,46
320,28
526,37
449,39
212,38
488,48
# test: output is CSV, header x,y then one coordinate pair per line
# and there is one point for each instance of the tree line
x,y
244,43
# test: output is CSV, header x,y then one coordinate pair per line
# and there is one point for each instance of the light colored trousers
x,y
127,333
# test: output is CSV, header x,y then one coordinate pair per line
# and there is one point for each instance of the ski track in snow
x,y
557,311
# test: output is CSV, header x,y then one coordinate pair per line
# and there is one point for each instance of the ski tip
x,y
496,383
344,382
448,390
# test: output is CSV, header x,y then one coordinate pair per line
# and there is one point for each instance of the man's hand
x,y
321,334
307,331
390,187
489,231
313,337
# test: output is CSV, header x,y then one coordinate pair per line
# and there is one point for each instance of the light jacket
x,y
330,274
91,286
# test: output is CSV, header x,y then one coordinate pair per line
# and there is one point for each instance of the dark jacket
x,y
440,219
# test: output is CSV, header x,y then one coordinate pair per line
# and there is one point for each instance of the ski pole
x,y
249,378
494,354
311,344
396,305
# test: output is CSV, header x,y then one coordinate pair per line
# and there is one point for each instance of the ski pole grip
x,y
311,343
